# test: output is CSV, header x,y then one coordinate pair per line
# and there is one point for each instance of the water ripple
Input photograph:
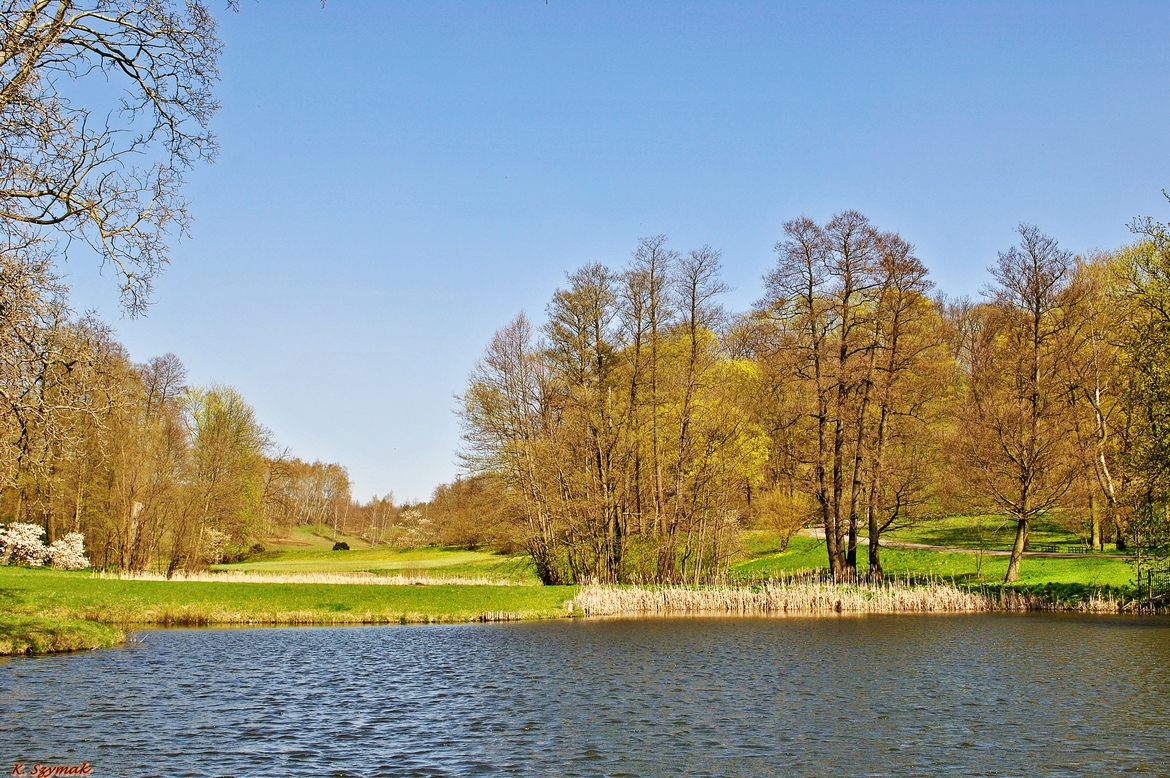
x,y
1049,695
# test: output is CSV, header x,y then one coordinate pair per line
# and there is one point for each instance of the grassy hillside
x,y
307,550
763,558
986,531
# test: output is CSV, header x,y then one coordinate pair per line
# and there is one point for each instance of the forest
x,y
638,430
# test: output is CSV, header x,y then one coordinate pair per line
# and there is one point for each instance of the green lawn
x,y
80,595
304,551
989,531
764,559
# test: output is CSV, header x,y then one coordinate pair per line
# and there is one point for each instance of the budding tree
x,y
1018,419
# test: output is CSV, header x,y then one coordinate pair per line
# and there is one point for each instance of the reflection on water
x,y
891,695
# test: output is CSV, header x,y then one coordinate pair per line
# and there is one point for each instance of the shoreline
x,y
50,611
37,635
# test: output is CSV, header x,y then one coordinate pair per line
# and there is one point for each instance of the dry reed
x,y
811,595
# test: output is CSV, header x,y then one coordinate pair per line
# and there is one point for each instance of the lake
x,y
889,695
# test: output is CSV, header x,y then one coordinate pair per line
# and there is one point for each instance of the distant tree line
x,y
155,473
637,430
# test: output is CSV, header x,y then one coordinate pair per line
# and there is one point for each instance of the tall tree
x,y
1143,277
227,449
851,254
507,418
796,307
822,298
646,314
1096,329
1018,421
910,377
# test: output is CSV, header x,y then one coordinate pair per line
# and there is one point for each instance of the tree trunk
x,y
1094,523
874,503
839,480
827,517
1013,571
858,463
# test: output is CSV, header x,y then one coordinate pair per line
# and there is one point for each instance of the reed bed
x,y
369,579
814,596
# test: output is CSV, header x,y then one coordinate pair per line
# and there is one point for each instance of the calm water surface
x,y
954,695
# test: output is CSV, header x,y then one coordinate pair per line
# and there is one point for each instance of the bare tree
x,y
822,295
109,178
646,316
507,430
795,304
909,344
1019,420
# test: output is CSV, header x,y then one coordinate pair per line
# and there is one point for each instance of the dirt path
x,y
816,532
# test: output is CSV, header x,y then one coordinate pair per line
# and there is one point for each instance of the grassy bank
x,y
82,595
37,635
54,610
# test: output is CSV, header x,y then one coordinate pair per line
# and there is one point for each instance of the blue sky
x,y
397,180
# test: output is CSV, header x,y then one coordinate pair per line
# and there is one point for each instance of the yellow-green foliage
x,y
228,453
726,439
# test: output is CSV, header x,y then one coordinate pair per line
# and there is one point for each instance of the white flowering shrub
x,y
68,553
21,544
413,530
214,544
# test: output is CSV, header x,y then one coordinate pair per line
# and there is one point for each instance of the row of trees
x,y
156,474
618,429
636,431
